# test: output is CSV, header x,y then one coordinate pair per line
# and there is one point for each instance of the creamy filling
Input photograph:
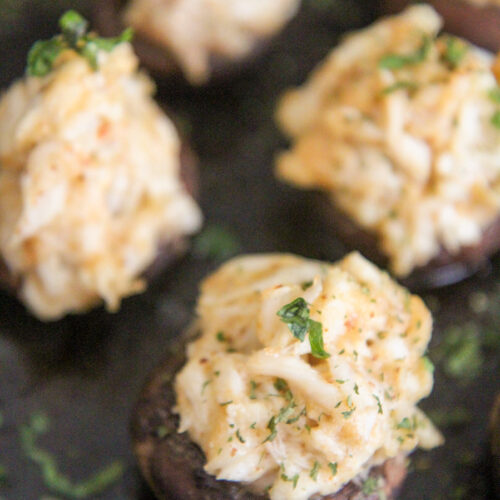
x,y
89,183
197,30
292,416
401,128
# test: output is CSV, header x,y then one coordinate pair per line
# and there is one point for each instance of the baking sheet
x,y
85,372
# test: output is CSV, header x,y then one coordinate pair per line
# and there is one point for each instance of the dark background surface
x,y
85,372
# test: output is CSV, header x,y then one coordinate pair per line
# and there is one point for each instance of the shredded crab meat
x,y
266,411
396,126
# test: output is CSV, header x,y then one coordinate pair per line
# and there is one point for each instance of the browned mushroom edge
x,y
479,25
444,269
168,252
107,20
173,465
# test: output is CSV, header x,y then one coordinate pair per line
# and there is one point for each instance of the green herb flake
x,y
397,61
271,425
341,352
253,386
455,51
220,336
333,467
226,403
252,426
405,424
296,316
340,381
306,284
216,243
217,373
204,386
53,478
428,364
356,389
239,436
494,94
460,352
3,475
379,404
74,37
347,414
338,404
316,340
495,119
314,471
161,432
294,479
370,486
450,417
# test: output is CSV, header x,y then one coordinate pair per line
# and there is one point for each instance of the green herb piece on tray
x,y
217,243
296,316
3,475
398,61
74,36
450,417
460,352
53,478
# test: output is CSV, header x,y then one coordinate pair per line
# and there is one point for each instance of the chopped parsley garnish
x,y
296,316
53,478
428,364
333,467
226,403
306,285
401,85
294,479
460,352
3,475
379,404
253,386
397,61
161,432
494,94
348,413
74,37
220,336
370,486
239,436
356,389
495,119
406,424
216,243
455,51
204,386
450,417
253,425
314,471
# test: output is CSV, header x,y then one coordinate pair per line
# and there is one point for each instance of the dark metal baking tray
x,y
85,371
